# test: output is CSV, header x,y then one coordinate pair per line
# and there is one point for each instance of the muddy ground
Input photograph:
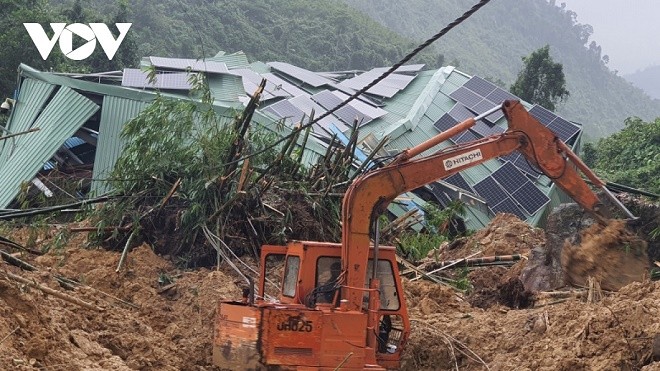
x,y
152,316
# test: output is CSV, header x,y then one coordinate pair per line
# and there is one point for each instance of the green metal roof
x,y
31,99
233,60
116,112
60,119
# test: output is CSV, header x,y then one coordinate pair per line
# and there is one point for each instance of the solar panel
x,y
251,81
439,194
494,117
403,69
464,137
490,190
522,164
544,116
287,110
383,91
483,106
364,107
192,64
499,95
509,177
458,181
480,86
460,113
466,97
387,88
136,78
564,129
326,99
508,206
306,76
445,122
349,114
344,92
511,157
486,130
530,198
283,85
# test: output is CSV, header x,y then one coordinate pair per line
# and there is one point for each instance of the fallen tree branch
x,y
55,293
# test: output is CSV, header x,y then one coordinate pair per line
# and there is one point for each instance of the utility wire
x,y
405,59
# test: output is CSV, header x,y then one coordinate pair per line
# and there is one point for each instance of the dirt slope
x,y
152,328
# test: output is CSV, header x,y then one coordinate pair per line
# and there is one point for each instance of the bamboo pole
x,y
55,293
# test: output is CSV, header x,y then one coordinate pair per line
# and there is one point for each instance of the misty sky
x,y
628,31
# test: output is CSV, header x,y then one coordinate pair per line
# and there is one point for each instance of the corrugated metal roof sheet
x,y
61,118
233,60
226,87
116,112
31,98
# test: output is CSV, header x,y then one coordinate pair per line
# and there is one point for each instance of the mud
x,y
611,254
157,317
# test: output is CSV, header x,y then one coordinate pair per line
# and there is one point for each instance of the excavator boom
x,y
370,194
311,325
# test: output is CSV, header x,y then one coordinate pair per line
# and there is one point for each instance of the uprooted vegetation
x,y
190,180
181,191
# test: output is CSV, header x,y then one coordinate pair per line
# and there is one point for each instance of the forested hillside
x,y
334,36
492,42
647,79
320,37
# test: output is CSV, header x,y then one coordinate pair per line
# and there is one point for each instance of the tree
x,y
541,80
632,156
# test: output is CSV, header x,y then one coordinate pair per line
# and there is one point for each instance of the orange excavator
x,y
342,306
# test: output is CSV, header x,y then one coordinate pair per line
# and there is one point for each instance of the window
x,y
389,298
291,276
327,271
274,273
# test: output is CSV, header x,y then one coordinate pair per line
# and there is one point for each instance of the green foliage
x,y
632,156
17,46
417,245
541,80
461,281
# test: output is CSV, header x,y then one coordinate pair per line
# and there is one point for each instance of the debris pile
x,y
75,311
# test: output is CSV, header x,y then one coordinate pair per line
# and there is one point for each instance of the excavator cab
x,y
297,318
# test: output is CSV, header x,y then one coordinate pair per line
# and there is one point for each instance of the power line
x,y
405,59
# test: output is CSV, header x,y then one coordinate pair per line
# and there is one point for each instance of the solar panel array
x,y
522,164
458,181
251,81
509,177
480,95
386,88
445,122
135,78
509,190
192,64
301,74
562,128
347,114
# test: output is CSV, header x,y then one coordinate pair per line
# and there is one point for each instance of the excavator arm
x,y
371,193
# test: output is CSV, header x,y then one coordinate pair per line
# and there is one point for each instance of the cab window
x,y
291,276
389,298
328,269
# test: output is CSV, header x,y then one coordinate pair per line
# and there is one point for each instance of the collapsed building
x,y
74,122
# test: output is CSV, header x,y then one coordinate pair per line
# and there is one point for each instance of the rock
x,y
543,271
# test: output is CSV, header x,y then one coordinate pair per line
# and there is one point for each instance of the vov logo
x,y
64,33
